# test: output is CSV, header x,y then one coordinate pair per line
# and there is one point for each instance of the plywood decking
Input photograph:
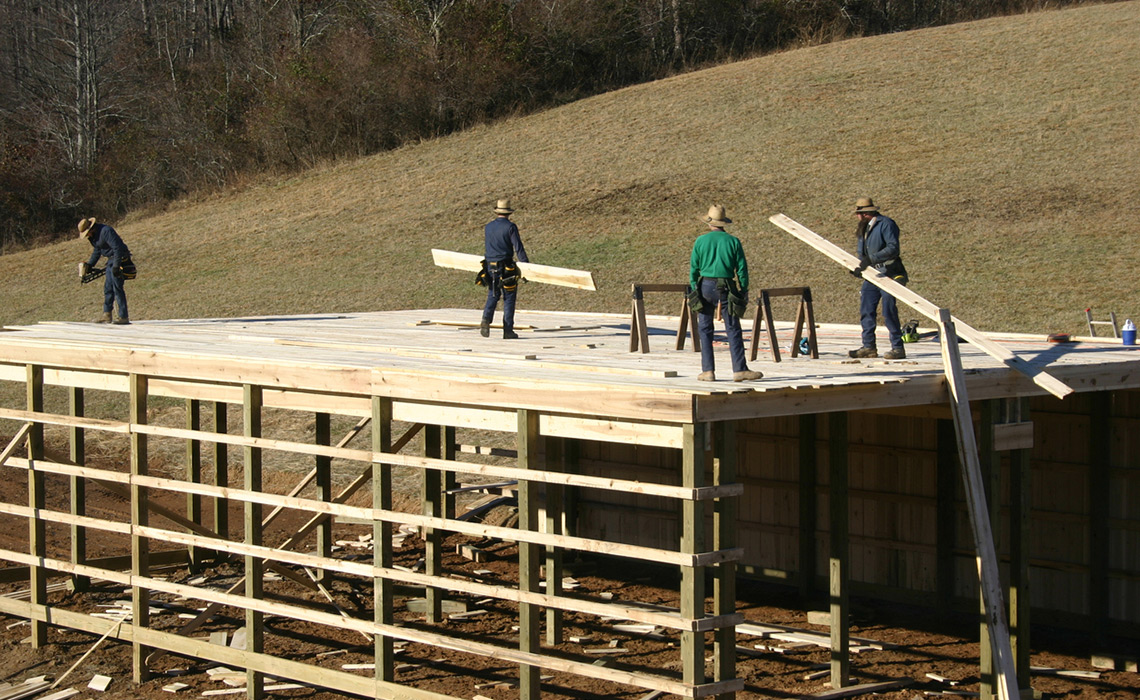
x,y
569,363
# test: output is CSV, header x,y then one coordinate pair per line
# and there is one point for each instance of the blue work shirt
x,y
502,242
106,244
881,242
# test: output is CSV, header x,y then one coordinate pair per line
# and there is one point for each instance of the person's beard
x,y
861,229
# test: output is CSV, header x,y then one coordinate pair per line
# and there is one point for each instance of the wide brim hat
x,y
864,205
85,226
716,216
503,206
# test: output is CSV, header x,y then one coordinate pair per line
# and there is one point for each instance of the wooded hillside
x,y
111,106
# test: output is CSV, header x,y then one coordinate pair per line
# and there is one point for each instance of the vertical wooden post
x,y
432,500
945,524
140,510
323,466
254,566
77,441
724,537
450,480
839,561
1099,484
530,685
37,500
989,462
382,540
553,523
696,454
221,473
194,474
1021,504
809,508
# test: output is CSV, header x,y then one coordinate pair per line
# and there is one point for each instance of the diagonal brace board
x,y
989,577
560,276
1040,377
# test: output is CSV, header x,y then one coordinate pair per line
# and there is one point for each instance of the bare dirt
x,y
917,641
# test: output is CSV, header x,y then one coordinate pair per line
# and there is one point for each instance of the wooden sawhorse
x,y
639,333
803,313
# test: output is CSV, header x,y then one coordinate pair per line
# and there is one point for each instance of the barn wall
x,y
894,506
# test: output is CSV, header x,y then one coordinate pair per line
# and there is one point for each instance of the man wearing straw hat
x,y
501,244
107,244
877,245
718,276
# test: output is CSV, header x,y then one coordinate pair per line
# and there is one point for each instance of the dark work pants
x,y
711,296
869,297
113,291
495,291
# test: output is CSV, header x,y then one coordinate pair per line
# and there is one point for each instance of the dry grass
x,y
1008,151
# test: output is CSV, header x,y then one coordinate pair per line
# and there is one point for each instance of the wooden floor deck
x,y
573,363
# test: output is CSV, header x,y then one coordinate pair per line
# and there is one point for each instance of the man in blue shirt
x,y
877,245
107,244
718,273
501,244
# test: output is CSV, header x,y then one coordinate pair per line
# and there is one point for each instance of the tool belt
x,y
505,274
737,301
127,269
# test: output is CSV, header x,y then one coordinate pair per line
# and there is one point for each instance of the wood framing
x,y
619,454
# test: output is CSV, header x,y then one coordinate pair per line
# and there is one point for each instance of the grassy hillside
x,y
1008,151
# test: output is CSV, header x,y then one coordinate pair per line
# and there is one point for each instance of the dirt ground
x,y
918,641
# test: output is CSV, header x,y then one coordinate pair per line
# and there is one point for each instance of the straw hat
x,y
85,227
503,206
716,216
864,205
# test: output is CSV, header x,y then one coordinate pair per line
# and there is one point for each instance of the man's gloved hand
x,y
84,268
864,263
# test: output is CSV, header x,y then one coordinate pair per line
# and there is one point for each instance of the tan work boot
x,y
105,318
863,352
709,376
895,354
746,376
122,321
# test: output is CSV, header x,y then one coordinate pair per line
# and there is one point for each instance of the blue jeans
x,y
113,291
711,296
495,291
869,297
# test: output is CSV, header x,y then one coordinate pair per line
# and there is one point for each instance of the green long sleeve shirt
x,y
718,254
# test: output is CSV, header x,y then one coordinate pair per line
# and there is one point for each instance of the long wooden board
x,y
989,576
561,276
1040,377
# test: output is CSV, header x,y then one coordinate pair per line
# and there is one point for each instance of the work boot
x,y
863,352
746,376
485,329
105,318
895,354
709,376
509,335
122,321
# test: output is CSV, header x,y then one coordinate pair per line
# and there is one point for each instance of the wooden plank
x,y
140,518
37,499
1039,376
862,689
252,512
529,446
988,573
563,277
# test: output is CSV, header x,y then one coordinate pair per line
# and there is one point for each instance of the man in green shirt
x,y
718,273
